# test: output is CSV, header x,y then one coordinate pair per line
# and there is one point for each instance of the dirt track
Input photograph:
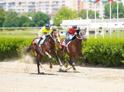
x,y
21,77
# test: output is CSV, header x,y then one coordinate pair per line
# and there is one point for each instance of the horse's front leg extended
x,y
60,64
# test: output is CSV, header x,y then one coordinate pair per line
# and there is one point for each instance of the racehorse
x,y
48,48
74,48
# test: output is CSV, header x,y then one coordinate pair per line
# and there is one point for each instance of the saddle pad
x,y
63,43
36,40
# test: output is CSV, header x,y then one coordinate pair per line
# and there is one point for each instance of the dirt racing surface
x,y
23,77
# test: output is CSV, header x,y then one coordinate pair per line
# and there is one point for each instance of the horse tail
x,y
28,49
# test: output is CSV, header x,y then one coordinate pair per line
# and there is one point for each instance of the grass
x,y
115,34
33,33
18,34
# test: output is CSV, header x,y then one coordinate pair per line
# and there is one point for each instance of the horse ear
x,y
54,29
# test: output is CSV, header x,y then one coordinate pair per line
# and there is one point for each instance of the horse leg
x,y
51,66
60,63
71,62
49,58
38,63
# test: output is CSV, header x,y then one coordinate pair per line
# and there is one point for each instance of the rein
x,y
79,38
54,37
51,37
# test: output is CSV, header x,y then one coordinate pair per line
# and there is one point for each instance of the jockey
x,y
43,33
70,34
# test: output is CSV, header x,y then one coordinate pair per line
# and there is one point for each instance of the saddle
x,y
67,41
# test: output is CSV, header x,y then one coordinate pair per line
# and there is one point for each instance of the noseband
x,y
80,38
80,35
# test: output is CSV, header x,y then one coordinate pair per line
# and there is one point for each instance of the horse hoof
x,y
51,67
41,73
38,73
66,66
61,70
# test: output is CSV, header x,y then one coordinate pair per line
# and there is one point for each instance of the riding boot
x,y
39,41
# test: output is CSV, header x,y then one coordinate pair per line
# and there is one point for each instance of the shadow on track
x,y
42,73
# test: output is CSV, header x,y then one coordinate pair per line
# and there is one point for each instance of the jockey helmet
x,y
47,26
75,27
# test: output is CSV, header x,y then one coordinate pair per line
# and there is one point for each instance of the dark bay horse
x,y
48,48
74,47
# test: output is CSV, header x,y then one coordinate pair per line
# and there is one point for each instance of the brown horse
x,y
74,47
48,48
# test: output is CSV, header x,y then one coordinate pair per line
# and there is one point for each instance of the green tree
x,y
114,10
91,14
40,19
24,21
2,18
63,14
11,19
82,14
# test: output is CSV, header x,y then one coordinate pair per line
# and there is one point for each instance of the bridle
x,y
55,36
81,34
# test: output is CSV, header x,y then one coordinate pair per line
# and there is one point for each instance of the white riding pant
x,y
69,36
43,39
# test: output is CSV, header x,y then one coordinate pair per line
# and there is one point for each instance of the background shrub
x,y
107,52
12,47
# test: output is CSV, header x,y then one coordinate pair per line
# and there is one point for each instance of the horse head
x,y
81,33
55,35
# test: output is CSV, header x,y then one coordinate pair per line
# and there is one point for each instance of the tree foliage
x,y
13,19
24,21
39,19
2,18
114,10
91,14
64,14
